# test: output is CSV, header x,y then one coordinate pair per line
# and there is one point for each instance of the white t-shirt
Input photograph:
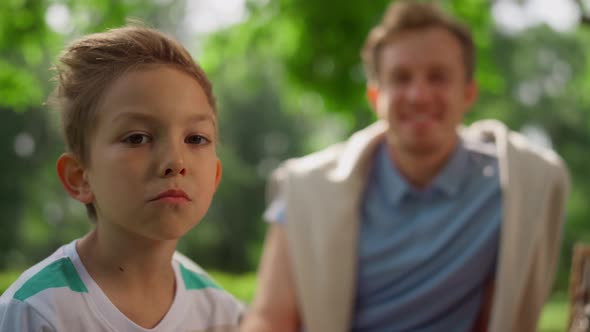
x,y
58,294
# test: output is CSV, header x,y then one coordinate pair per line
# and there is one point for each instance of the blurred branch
x,y
585,16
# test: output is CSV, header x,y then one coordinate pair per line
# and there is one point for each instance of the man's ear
x,y
73,178
471,94
372,95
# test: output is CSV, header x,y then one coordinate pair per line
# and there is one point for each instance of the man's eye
x,y
399,78
137,139
196,139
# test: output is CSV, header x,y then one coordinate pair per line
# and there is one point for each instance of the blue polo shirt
x,y
425,256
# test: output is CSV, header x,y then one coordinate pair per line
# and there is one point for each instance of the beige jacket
x,y
323,194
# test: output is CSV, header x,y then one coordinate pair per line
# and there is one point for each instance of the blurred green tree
x,y
289,80
535,80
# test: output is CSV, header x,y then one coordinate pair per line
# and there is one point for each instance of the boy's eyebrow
x,y
147,118
202,118
133,116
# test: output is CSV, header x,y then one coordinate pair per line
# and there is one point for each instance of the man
x,y
415,223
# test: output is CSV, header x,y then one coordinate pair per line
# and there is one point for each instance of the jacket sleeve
x,y
544,266
556,213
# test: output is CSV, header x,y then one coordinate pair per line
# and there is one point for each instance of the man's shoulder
x,y
486,132
324,159
544,155
329,158
518,148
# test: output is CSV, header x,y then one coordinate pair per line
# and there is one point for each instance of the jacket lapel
x,y
326,263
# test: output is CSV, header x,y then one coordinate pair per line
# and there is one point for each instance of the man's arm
x,y
275,306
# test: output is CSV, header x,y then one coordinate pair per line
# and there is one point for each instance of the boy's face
x,y
153,165
422,90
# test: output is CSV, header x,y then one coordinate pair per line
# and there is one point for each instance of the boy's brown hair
x,y
90,65
408,15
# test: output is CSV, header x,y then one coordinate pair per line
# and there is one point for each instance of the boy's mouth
x,y
172,195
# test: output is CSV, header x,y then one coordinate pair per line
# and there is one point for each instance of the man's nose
x,y
419,92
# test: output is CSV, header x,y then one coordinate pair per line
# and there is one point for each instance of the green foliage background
x,y
289,80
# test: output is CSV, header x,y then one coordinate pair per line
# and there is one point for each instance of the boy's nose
x,y
172,162
173,171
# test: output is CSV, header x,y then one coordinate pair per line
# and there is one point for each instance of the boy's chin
x,y
173,233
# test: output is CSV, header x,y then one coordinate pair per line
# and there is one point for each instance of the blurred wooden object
x,y
579,290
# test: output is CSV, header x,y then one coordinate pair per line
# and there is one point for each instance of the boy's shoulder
x,y
38,291
193,276
57,270
202,288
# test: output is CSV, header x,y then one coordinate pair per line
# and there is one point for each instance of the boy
x,y
140,124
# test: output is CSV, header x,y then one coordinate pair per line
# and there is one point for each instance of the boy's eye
x,y
196,139
438,77
137,139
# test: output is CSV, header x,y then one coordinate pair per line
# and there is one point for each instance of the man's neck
x,y
420,169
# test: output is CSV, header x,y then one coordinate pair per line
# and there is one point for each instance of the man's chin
x,y
421,150
422,147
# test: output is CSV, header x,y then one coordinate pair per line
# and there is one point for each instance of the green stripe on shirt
x,y
60,273
193,280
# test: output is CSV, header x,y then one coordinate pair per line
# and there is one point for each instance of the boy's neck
x,y
127,253
131,272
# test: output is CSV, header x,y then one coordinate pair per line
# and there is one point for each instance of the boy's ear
x,y
73,178
372,95
218,174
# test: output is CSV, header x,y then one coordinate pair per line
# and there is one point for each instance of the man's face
x,y
153,165
422,90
